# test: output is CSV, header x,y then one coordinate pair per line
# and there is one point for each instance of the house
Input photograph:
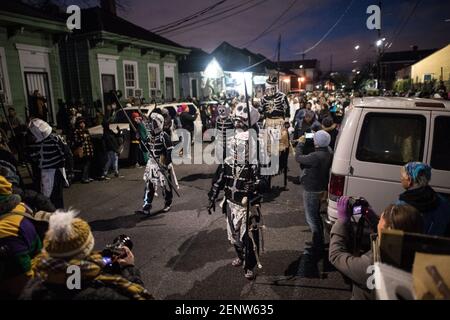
x,y
391,62
434,67
305,73
224,70
29,56
111,53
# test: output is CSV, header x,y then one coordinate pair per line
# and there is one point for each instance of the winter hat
x,y
418,171
8,200
79,121
68,237
322,139
40,129
135,115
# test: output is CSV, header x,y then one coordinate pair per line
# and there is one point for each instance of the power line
x,y
188,18
271,25
195,26
329,31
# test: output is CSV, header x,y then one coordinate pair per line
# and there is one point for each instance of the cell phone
x,y
309,135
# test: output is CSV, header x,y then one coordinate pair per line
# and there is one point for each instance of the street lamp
x,y
357,47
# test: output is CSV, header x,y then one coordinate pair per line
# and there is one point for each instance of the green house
x,y
29,56
110,53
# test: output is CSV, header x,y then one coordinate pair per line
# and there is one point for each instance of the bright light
x,y
301,66
354,70
354,61
236,80
317,87
358,72
287,80
301,79
213,70
357,47
379,43
343,86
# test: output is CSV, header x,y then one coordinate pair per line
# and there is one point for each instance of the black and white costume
x,y
239,179
276,111
160,146
224,125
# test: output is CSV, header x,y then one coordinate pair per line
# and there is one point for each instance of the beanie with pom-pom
x,y
68,237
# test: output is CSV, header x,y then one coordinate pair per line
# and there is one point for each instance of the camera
x,y
357,206
114,251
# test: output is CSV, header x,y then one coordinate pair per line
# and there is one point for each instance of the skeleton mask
x,y
271,89
157,122
241,115
223,111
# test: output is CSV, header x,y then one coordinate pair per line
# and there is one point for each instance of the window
x,y
4,85
392,138
131,77
153,79
440,156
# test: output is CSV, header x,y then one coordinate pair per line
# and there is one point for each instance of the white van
x,y
379,135
121,121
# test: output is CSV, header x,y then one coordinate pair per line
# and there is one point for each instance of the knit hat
x,y
40,129
68,237
8,200
135,115
322,139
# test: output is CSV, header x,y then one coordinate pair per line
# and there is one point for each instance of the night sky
x,y
309,21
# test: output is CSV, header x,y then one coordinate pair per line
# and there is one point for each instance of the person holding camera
x,y
315,181
435,209
69,269
400,217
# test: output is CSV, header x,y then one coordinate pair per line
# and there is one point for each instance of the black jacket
x,y
111,140
316,168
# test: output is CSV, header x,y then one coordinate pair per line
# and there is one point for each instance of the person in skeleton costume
x,y
239,179
276,111
224,124
160,146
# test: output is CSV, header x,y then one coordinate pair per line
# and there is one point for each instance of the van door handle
x,y
350,170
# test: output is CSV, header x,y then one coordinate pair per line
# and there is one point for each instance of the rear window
x,y
440,156
391,138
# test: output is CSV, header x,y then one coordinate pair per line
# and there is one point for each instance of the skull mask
x,y
271,90
223,111
241,116
157,122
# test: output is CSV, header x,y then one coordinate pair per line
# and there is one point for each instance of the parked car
x,y
379,135
121,121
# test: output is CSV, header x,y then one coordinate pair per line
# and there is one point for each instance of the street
x,y
185,254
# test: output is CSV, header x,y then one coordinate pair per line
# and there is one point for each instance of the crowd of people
x,y
39,240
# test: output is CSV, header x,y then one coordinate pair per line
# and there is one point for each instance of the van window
x,y
392,138
440,156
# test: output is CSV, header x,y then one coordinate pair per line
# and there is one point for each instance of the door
x,y
38,81
169,89
386,140
439,157
194,88
108,84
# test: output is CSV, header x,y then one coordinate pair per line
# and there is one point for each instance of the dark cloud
x,y
310,20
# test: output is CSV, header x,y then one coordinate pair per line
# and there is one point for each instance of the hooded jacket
x,y
434,208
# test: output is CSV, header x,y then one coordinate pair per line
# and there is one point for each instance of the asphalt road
x,y
185,254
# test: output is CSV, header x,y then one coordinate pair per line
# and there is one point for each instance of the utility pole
x,y
278,60
379,51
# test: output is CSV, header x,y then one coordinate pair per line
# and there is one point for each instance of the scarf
x,y
53,271
424,199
